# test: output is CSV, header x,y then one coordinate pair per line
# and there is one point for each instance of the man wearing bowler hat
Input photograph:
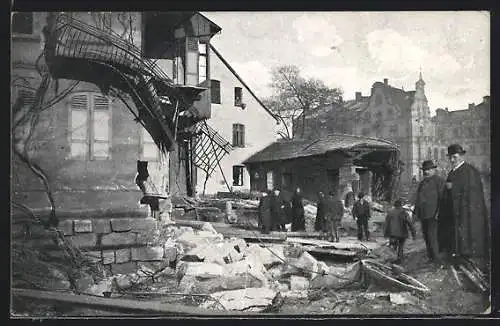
x,y
464,226
427,205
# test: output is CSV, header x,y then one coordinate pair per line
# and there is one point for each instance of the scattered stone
x,y
82,226
148,253
170,251
124,268
200,270
208,227
190,240
100,288
249,299
124,282
298,283
239,244
265,256
308,264
249,268
93,256
121,224
295,294
143,224
337,277
402,298
84,282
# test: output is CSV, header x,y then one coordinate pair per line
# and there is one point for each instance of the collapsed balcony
x,y
78,51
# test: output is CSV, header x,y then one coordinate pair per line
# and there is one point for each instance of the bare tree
x,y
294,96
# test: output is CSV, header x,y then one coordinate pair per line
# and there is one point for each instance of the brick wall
x,y
119,243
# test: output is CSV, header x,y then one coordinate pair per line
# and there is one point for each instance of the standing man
x,y
320,213
335,210
277,211
361,213
464,226
298,219
429,193
265,218
397,224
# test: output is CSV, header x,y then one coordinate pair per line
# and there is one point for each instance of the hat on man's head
x,y
454,149
361,194
427,165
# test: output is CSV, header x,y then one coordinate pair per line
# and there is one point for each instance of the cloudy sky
x,y
352,50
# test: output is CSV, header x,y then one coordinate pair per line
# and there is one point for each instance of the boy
x,y
397,224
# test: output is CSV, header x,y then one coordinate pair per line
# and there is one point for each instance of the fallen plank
x,y
300,234
344,245
145,307
334,253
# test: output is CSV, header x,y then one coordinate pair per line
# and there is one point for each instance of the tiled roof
x,y
290,149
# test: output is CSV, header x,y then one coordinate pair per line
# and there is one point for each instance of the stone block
x,y
309,265
243,299
124,268
201,270
118,239
148,253
298,283
177,213
170,252
93,256
101,225
108,257
106,285
82,226
265,256
143,224
86,240
121,224
122,255
153,265
84,282
66,226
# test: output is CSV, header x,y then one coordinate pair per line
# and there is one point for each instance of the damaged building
x,y
115,88
331,163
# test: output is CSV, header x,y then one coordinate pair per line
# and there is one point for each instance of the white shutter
x,y
101,118
79,105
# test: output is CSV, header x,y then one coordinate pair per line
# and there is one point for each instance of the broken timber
x,y
132,306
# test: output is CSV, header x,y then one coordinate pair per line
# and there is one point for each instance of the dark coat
x,y
265,218
277,210
298,219
429,193
361,210
463,223
335,209
319,224
397,224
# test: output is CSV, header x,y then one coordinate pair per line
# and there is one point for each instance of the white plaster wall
x,y
260,129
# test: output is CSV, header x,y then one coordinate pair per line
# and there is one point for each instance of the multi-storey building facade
x,y
404,118
88,141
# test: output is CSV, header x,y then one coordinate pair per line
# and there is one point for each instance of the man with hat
x,y
361,213
427,206
464,226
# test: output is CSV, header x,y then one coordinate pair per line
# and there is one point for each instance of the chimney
x,y
358,96
486,99
471,106
386,81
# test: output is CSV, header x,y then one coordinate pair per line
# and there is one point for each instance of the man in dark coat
x,y
320,213
277,211
265,218
397,223
361,213
463,225
298,219
429,193
335,212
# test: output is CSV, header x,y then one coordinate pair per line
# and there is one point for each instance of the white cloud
x,y
316,33
256,76
396,54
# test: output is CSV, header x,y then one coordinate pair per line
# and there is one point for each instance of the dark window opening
x,y
378,99
22,23
215,91
237,175
286,180
238,135
238,96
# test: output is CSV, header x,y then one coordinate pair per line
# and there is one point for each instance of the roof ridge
x,y
362,137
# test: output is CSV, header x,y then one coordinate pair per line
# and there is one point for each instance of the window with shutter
x,y
238,135
191,61
238,96
202,62
100,127
215,91
79,125
90,124
237,175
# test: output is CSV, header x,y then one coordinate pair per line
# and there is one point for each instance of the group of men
x,y
275,211
452,214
